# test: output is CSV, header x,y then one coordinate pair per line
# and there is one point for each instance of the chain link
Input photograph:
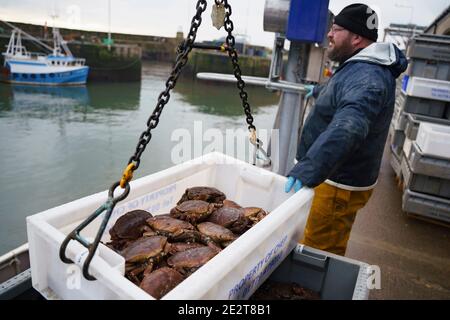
x,y
183,51
230,40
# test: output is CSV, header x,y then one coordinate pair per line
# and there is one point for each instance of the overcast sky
x,y
165,18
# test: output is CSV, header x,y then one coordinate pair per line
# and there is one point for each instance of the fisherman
x,y
343,139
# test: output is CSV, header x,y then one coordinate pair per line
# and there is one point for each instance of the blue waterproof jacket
x,y
343,138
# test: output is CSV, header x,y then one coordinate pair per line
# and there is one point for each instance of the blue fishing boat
x,y
59,67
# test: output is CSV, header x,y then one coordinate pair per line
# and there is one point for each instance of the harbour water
x,y
63,143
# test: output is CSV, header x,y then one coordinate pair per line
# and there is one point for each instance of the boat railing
x,y
24,55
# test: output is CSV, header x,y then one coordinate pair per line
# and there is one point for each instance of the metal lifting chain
x,y
259,152
181,59
229,27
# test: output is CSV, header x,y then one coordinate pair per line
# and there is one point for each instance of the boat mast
x,y
60,47
28,35
58,43
18,49
109,25
12,43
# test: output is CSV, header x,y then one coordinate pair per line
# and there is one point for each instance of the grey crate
x,y
16,285
427,206
426,165
434,186
395,163
333,276
400,99
426,107
413,122
401,120
431,69
396,138
429,47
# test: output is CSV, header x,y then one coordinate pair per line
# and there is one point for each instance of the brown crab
x,y
232,204
161,281
187,262
174,229
271,290
255,214
208,194
182,246
194,211
231,218
142,254
217,233
128,227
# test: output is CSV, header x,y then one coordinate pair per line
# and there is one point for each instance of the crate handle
x,y
108,206
300,249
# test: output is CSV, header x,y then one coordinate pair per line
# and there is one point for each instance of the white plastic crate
x,y
426,88
407,146
235,273
395,162
434,140
399,119
425,205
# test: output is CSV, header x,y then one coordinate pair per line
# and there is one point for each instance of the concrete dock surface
x,y
413,255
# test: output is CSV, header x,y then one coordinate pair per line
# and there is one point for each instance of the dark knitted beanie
x,y
359,19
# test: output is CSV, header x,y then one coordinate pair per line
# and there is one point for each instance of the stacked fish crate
x,y
420,130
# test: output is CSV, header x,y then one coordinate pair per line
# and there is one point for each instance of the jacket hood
x,y
385,54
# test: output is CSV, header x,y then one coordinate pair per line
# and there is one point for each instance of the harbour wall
x,y
123,61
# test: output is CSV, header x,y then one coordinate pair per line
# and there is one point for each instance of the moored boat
x,y
59,67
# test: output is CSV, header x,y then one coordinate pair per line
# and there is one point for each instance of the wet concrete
x,y
413,255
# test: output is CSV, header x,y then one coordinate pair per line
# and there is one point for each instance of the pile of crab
x,y
163,250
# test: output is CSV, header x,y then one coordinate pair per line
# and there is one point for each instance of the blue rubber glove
x,y
292,182
310,89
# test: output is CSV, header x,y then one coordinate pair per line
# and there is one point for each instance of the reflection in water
x,y
42,97
68,102
119,96
223,99
44,102
52,94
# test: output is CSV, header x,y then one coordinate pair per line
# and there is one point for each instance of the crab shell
x,y
208,194
231,218
254,213
134,272
144,249
161,281
231,204
182,246
216,232
130,225
192,258
168,225
271,290
194,211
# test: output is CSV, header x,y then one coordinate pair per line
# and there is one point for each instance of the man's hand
x,y
310,89
292,182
